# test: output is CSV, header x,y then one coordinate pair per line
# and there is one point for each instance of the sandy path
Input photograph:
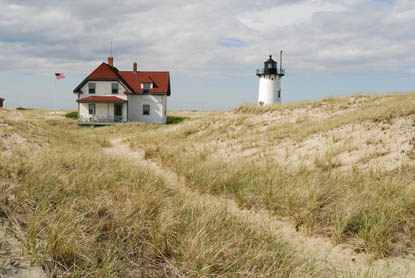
x,y
13,263
333,261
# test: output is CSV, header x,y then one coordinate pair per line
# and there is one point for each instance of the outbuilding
x,y
1,102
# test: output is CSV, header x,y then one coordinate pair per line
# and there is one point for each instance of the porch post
x,y
79,110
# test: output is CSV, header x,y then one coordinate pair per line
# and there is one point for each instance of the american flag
x,y
60,75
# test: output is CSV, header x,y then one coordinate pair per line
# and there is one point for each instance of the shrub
x,y
175,119
72,115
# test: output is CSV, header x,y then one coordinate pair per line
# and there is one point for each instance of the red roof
x,y
160,80
133,80
104,71
104,99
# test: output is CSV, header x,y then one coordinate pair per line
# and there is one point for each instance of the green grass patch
x,y
175,119
72,115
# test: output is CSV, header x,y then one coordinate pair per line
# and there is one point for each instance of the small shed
x,y
1,102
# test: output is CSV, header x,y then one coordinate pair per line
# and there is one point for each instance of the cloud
x,y
287,14
210,38
353,2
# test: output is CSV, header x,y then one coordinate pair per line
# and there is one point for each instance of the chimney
x,y
111,61
135,67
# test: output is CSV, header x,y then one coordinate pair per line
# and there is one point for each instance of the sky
x,y
211,48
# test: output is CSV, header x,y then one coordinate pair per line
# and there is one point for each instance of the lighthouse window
x,y
270,66
146,109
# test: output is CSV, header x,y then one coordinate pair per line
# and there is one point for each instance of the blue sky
x,y
211,48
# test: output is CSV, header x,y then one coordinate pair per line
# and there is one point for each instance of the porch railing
x,y
95,119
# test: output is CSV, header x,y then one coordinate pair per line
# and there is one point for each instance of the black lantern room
x,y
270,66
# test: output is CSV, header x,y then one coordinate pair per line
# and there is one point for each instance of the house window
x,y
91,109
279,93
91,87
146,87
146,109
115,88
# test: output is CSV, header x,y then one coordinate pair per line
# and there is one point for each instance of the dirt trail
x,y
13,263
336,261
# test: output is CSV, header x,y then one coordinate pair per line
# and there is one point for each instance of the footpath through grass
x,y
86,214
374,209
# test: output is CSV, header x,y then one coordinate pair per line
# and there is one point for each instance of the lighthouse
x,y
270,82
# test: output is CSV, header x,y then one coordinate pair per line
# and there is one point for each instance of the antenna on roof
x,y
111,48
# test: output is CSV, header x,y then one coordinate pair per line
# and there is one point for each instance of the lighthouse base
x,y
269,90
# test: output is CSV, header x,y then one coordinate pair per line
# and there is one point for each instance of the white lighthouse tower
x,y
270,82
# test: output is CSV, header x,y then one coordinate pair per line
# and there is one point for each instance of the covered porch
x,y
102,110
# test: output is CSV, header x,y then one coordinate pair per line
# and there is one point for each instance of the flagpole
x,y
54,97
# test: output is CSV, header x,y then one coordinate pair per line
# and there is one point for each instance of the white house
x,y
110,96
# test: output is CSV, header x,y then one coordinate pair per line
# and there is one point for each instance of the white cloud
x,y
187,38
287,14
353,2
403,12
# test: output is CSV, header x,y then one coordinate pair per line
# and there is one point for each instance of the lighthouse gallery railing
x,y
278,71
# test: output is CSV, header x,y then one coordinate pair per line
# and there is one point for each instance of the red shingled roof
x,y
104,99
104,71
131,79
160,80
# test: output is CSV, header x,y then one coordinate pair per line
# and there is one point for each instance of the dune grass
x,y
373,209
86,214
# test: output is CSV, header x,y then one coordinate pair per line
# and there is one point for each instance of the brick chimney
x,y
111,61
135,67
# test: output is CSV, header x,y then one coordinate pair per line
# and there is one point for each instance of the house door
x,y
117,112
